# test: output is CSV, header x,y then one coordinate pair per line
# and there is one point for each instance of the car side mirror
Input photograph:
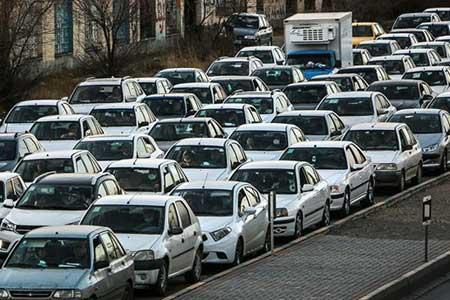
x,y
64,98
382,111
235,164
357,167
307,188
8,203
448,132
280,62
250,211
144,123
98,265
263,28
175,231
190,113
336,133
407,147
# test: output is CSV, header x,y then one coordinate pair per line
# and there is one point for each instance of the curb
x,y
321,231
409,281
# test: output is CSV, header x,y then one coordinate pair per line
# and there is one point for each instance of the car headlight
x,y
334,189
431,148
220,234
8,225
249,37
387,167
281,212
67,294
4,294
143,255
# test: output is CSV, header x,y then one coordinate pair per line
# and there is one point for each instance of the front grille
x,y
30,294
22,229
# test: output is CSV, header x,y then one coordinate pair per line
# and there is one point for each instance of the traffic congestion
x,y
130,182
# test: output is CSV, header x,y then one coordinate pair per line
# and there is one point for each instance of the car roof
x,y
277,67
281,164
130,199
436,23
364,23
169,95
320,113
9,136
416,14
67,231
322,144
194,85
388,58
70,178
327,76
376,126
443,95
218,142
210,185
252,94
359,94
430,111
112,137
148,79
437,43
185,120
232,58
265,127
37,102
427,68
226,106
396,82
356,50
259,48
415,50
400,30
180,70
313,83
396,34
124,105
63,118
233,77
150,163
52,154
377,42
361,67
103,81
7,175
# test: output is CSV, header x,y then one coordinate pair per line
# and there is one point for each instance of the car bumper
x,y
220,252
284,226
146,272
337,201
387,178
432,160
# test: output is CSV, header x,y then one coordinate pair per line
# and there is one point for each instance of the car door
x,y
312,202
367,168
175,242
104,282
261,218
446,129
416,149
189,235
406,155
249,226
379,110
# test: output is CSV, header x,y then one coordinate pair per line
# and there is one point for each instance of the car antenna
x,y
134,163
204,181
129,200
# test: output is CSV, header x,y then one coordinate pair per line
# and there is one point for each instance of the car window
x,y
173,217
240,154
10,190
109,246
87,163
119,250
358,155
232,156
18,186
311,175
31,145
446,122
149,147
184,214
94,163
169,181
99,250
350,157
111,187
243,202
175,175
403,139
253,196
141,149
80,166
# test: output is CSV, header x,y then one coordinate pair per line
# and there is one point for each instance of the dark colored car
x,y
247,29
280,76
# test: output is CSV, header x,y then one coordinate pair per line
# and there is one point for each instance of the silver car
x,y
68,262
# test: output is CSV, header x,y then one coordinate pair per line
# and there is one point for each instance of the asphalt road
x,y
441,292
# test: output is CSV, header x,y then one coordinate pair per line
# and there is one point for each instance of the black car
x,y
247,29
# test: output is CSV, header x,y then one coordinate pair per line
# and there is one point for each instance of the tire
x,y
370,198
418,177
239,253
195,274
161,282
326,216
444,166
402,184
346,206
298,226
128,294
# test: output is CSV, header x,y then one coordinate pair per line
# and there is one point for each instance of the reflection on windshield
x,y
283,181
176,77
137,180
204,157
51,253
310,125
29,114
149,88
30,169
320,158
348,106
108,150
433,78
8,150
225,117
97,94
166,106
305,94
115,117
131,219
261,140
222,68
54,131
374,139
419,123
262,105
208,202
275,76
178,131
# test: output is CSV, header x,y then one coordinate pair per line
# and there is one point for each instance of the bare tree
x,y
106,32
21,31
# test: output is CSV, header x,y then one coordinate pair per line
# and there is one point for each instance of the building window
x,y
147,18
63,27
122,16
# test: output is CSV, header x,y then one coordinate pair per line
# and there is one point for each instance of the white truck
x,y
318,43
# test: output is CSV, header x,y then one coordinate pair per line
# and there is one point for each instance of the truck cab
x,y
313,62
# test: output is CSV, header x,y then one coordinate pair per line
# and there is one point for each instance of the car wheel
x,y
418,178
239,254
195,274
402,184
161,282
326,216
370,197
298,225
128,294
444,165
345,210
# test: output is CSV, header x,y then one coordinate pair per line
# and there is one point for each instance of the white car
x,y
412,20
110,148
64,132
394,150
443,48
270,56
207,158
438,77
395,65
22,116
306,95
267,141
370,73
206,92
234,66
230,116
124,118
303,197
168,106
379,47
422,57
346,168
268,104
161,232
11,188
359,107
147,176
71,161
405,40
233,217
316,125
154,85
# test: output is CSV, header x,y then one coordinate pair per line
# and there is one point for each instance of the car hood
x,y
316,137
244,31
136,242
213,223
350,121
84,109
164,146
383,156
7,165
59,145
439,89
203,174
264,155
37,217
428,139
15,278
4,212
16,127
333,176
119,130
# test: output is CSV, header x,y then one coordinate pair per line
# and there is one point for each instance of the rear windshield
x,y
357,59
410,21
203,94
310,125
230,86
306,94
441,103
176,77
222,68
419,123
377,49
261,140
433,78
362,31
344,83
137,180
439,49
225,117
392,67
372,140
420,59
149,87
29,114
348,106
115,117
404,42
30,169
263,105
8,150
205,203
108,150
320,158
166,106
204,157
437,30
397,92
264,55
275,76
369,74
178,131
242,21
282,181
54,131
97,94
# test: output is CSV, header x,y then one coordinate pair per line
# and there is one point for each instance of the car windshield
x,y
241,21
310,125
348,106
199,157
129,219
436,30
410,21
261,140
305,94
226,117
222,68
176,77
138,179
264,105
50,253
362,30
440,49
230,86
441,103
177,131
392,67
433,78
369,74
30,169
320,158
57,130
344,83
208,203
374,139
419,123
115,117
275,76
57,197
203,94
377,49
149,88
108,150
264,55
357,59
404,42
420,59
305,61
8,150
29,114
97,94
166,106
280,180
397,91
